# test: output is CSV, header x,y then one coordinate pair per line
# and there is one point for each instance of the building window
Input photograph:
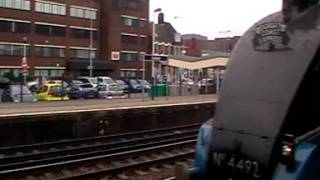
x,y
129,39
13,50
48,72
83,13
128,73
143,23
16,27
4,71
56,72
129,56
50,30
49,52
83,33
143,40
41,73
82,53
156,49
130,4
50,8
15,4
130,21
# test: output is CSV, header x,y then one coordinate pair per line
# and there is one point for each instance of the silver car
x,y
111,91
12,93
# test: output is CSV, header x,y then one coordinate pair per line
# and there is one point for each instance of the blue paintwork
x,y
202,148
307,157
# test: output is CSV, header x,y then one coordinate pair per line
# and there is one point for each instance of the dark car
x,y
12,93
123,85
82,91
133,85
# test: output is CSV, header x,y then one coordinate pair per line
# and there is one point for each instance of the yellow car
x,y
51,92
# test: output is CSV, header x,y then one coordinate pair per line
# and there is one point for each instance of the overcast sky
x,y
209,17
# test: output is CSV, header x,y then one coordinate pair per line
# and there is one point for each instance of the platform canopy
x,y
194,63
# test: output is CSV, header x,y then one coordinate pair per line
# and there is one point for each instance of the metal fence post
x,y
62,88
21,89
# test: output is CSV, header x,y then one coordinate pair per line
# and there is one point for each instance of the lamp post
x,y
24,67
24,60
225,34
153,50
142,57
91,42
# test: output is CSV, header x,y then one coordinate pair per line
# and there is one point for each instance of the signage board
x,y
115,55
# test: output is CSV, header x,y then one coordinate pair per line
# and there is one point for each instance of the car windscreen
x,y
120,82
114,88
55,89
133,82
93,80
17,89
109,81
144,82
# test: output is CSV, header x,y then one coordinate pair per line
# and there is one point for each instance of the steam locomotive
x,y
267,120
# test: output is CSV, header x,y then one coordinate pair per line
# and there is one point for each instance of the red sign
x,y
115,56
24,65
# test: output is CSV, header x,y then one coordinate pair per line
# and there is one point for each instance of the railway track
x,y
86,157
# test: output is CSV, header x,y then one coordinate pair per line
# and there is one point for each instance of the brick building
x,y
57,36
223,44
195,43
167,39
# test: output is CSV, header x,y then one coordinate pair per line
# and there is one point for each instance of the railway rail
x,y
33,160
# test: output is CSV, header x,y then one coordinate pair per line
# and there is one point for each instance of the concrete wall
x,y
43,128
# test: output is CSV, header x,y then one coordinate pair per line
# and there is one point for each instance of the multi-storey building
x,y
60,37
167,39
125,24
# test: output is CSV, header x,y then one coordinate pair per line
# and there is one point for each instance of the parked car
x,y
89,80
89,90
12,93
82,91
105,80
111,91
122,85
34,85
206,82
51,92
145,84
134,86
187,81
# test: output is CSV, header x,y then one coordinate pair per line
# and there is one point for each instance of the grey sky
x,y
209,17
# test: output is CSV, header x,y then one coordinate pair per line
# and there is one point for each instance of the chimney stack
x,y
161,18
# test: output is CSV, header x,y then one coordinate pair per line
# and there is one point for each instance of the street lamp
x,y
153,48
25,59
91,42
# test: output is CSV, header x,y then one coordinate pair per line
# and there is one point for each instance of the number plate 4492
x,y
234,163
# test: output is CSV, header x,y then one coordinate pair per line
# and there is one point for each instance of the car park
x,y
16,93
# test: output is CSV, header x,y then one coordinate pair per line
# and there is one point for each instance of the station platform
x,y
60,107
